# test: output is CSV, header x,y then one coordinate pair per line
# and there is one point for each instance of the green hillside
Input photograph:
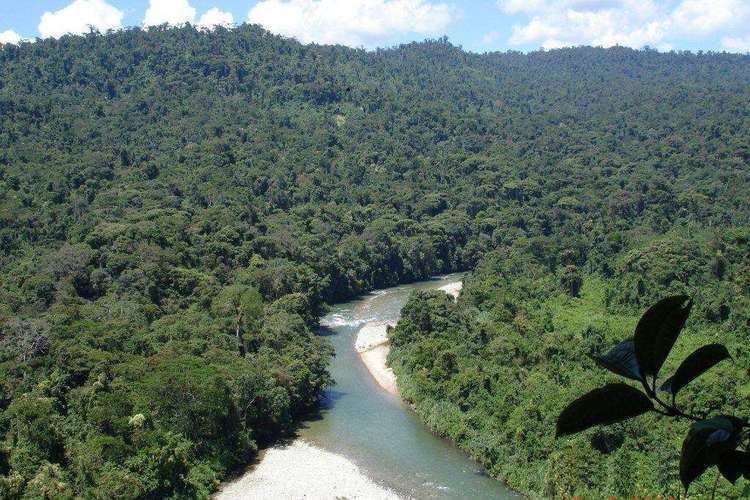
x,y
177,207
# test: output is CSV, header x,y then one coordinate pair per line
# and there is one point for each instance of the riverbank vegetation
x,y
177,207
494,371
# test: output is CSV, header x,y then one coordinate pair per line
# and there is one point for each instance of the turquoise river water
x,y
378,432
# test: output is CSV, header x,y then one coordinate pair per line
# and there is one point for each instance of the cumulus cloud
x,y
350,22
79,17
173,12
216,17
9,36
633,23
702,17
736,44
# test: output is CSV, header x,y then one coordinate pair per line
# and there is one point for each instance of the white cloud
x,y
633,23
736,44
701,17
172,12
9,37
215,17
79,17
350,22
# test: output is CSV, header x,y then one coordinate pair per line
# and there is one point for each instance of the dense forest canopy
x,y
177,207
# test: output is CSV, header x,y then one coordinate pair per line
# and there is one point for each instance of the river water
x,y
374,429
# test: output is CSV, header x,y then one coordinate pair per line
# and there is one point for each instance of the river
x,y
376,430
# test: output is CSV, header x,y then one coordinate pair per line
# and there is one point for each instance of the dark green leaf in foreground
x,y
695,365
621,360
733,464
607,405
657,331
706,441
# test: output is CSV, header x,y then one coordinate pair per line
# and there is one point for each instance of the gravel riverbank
x,y
300,470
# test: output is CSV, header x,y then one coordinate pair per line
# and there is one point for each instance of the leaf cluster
x,y
710,442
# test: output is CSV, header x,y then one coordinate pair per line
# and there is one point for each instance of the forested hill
x,y
177,206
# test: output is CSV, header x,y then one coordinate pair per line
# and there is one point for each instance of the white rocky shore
x,y
372,345
300,470
452,289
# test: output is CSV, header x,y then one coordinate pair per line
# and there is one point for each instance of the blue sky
x,y
479,25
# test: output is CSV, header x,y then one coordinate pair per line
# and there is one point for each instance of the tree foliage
x,y
710,441
179,205
495,370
